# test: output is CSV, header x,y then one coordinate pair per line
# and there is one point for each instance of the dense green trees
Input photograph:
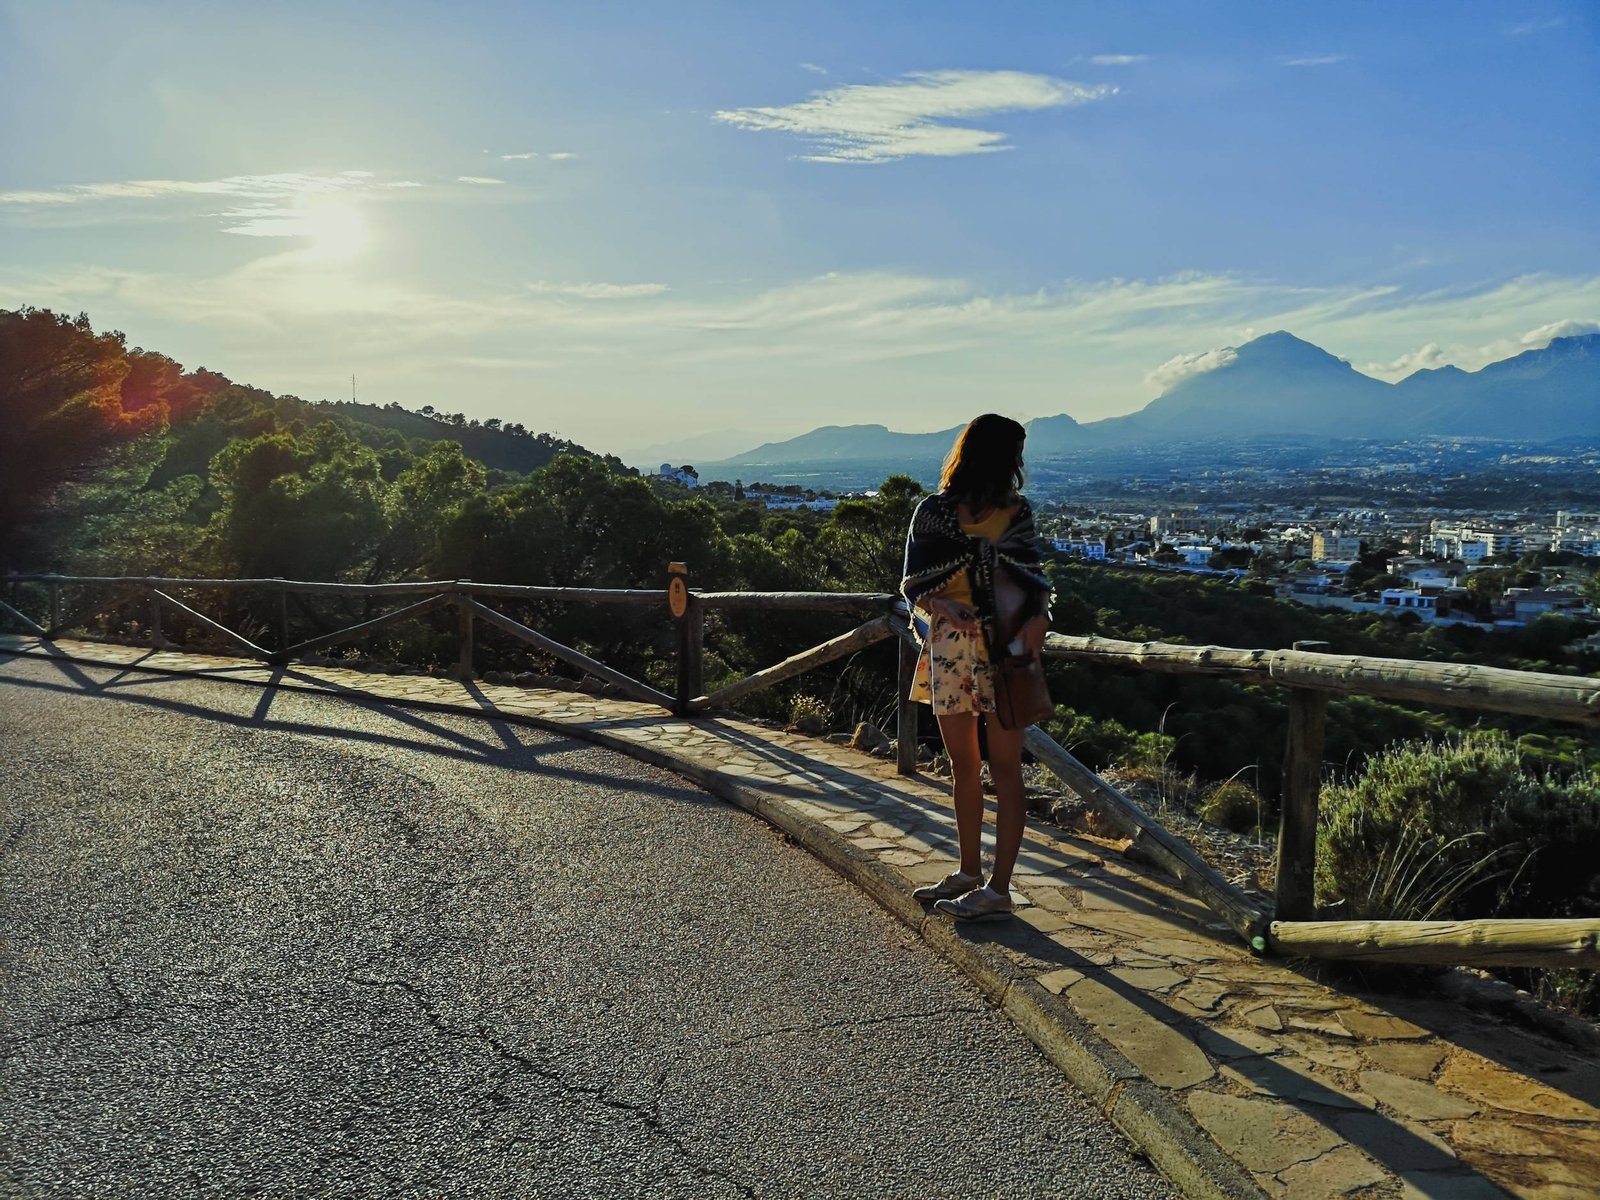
x,y
67,395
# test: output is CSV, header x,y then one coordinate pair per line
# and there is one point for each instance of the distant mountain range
x,y
1272,387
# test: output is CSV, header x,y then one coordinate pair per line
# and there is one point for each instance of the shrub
x,y
1459,829
1232,805
803,708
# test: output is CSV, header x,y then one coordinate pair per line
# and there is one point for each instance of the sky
x,y
701,226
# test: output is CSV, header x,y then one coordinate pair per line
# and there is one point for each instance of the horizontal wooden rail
x,y
801,601
858,638
632,596
770,601
1573,698
1515,943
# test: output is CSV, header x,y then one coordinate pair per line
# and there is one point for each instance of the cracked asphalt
x,y
268,944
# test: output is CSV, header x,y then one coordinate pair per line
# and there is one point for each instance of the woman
x,y
972,566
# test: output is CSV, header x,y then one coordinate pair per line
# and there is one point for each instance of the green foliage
x,y
1455,829
1233,805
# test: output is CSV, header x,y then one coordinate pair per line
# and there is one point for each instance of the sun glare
x,y
335,228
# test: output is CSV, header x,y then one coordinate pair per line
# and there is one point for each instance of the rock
x,y
589,686
1380,1026
1416,1099
1258,1133
868,737
1489,1085
924,754
497,677
1166,1057
527,679
838,739
811,725
1405,1058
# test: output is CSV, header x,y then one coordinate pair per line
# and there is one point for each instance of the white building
x,y
1089,548
687,476
1408,599
1495,541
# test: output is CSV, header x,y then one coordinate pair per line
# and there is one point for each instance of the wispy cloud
x,y
524,155
875,123
481,179
1315,60
1524,28
257,187
562,156
1117,60
598,291
813,68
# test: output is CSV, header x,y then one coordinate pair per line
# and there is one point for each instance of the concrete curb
x,y
1163,1130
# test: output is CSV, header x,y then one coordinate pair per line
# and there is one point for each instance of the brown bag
x,y
1021,696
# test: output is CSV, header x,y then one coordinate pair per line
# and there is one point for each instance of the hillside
x,y
501,447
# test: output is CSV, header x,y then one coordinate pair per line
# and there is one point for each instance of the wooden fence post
x,y
283,618
691,617
55,609
905,711
157,638
1295,883
464,616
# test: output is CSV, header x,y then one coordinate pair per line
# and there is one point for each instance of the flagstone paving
x,y
1304,1088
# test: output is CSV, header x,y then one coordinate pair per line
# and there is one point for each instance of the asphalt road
x,y
267,944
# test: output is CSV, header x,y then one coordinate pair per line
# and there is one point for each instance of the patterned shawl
x,y
936,549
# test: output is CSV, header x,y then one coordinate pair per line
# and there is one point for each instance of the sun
x,y
334,227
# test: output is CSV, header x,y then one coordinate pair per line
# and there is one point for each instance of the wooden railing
x,y
1309,675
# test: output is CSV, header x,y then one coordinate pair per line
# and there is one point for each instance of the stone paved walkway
x,y
1238,1075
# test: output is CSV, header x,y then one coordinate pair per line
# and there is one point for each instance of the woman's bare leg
x,y
1005,769
960,734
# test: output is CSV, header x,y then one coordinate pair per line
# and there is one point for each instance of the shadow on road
x,y
509,748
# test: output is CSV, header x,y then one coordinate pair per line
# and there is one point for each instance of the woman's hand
x,y
1032,634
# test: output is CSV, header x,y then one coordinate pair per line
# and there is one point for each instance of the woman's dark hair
x,y
984,467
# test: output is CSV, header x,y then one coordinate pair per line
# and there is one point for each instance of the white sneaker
x,y
952,885
980,904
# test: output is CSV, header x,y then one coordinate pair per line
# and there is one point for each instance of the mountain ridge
x,y
1279,385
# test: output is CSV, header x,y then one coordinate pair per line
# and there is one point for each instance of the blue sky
x,y
725,223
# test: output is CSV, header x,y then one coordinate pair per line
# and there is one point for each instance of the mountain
x,y
1274,386
711,444
839,444
1538,395
1049,437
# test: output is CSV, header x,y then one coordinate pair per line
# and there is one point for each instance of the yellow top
x,y
992,527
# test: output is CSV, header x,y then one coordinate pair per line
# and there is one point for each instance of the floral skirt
x,y
953,672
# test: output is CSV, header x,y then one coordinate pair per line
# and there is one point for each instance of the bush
x,y
1233,805
1459,829
809,709
1465,829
